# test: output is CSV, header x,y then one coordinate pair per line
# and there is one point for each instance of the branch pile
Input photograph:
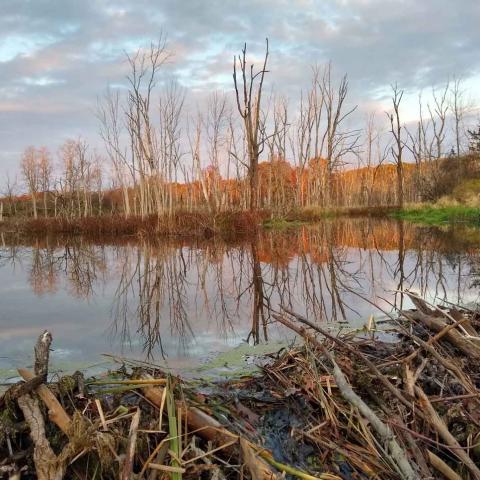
x,y
339,407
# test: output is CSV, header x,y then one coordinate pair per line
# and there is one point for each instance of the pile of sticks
x,y
356,407
404,409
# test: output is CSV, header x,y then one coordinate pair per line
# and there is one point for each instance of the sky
x,y
58,57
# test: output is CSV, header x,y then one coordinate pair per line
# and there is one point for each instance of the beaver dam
x,y
338,407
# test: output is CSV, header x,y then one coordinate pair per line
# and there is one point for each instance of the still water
x,y
178,301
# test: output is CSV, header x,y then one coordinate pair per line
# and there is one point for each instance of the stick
x,y
442,467
368,362
453,336
443,431
454,369
102,416
153,381
132,442
56,413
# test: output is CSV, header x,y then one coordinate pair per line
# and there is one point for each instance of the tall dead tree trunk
x,y
397,148
249,108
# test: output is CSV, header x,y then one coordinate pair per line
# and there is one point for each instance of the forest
x,y
249,150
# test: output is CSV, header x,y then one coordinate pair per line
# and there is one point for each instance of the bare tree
x,y
397,148
216,124
45,170
144,69
337,141
31,175
373,158
250,111
459,108
111,131
10,192
438,118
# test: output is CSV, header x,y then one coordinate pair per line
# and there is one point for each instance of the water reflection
x,y
178,298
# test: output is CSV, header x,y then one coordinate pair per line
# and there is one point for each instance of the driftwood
x,y
56,412
48,465
132,442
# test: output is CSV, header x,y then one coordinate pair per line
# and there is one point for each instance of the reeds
x,y
183,224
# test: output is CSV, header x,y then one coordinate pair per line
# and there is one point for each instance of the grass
x,y
301,216
436,215
281,224
233,224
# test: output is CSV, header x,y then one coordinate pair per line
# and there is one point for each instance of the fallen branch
x,y
437,423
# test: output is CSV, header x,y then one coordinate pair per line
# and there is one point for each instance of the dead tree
x,y
249,107
397,148
337,142
31,175
460,109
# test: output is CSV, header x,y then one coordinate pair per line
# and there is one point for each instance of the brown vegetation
x,y
185,224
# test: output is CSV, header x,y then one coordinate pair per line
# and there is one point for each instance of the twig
x,y
354,351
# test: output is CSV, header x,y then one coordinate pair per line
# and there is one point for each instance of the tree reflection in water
x,y
181,290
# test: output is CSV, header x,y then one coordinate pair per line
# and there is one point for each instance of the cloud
x,y
56,57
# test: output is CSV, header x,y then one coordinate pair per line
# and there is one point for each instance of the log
x,y
42,354
56,413
47,465
453,336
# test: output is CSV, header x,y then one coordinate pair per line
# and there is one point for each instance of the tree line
x,y
249,150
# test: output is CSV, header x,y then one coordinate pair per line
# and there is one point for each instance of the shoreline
x,y
193,224
233,224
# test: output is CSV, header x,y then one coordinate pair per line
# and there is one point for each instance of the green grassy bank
x,y
433,215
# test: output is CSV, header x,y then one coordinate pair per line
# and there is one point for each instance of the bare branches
x,y
249,108
397,148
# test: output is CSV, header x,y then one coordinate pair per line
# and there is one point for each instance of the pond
x,y
176,302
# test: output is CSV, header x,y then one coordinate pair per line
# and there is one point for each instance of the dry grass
x,y
187,224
